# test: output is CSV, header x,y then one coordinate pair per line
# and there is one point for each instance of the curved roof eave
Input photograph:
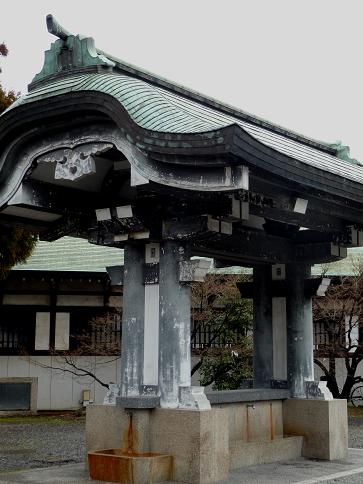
x,y
157,110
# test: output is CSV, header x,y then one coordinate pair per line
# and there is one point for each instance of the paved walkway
x,y
300,471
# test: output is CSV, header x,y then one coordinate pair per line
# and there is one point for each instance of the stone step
x,y
244,453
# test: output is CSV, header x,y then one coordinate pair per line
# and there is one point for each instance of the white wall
x,y
58,390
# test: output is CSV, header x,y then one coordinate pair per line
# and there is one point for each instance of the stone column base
x,y
322,423
108,426
197,440
193,398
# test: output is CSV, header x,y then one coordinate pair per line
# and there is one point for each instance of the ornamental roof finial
x,y
56,29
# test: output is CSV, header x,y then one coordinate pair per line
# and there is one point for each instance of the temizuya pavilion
x,y
103,150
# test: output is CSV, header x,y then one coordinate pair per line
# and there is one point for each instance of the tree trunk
x,y
349,382
332,380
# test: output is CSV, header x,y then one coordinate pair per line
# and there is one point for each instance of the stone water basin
x,y
118,465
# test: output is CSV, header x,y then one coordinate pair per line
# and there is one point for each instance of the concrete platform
x,y
299,471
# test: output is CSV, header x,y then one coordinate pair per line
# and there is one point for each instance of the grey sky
x,y
294,62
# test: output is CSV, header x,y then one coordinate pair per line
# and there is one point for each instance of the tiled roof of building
x,y
71,254
344,267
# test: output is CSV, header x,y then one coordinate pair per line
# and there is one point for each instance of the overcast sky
x,y
297,63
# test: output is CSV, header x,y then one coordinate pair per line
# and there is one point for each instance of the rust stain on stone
x,y
130,438
116,465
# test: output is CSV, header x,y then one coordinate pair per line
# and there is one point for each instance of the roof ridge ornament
x,y
343,152
55,28
69,54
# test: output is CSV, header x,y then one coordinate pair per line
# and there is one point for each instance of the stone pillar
x,y
132,353
151,319
279,338
174,325
279,331
299,329
262,332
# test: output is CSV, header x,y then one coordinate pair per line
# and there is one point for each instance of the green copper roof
x,y
72,254
345,267
160,110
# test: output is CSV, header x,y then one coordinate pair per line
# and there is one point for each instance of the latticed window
x,y
16,330
335,335
321,337
9,336
94,331
204,335
106,331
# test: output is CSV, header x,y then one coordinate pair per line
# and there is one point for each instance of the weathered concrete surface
x,y
174,325
108,426
198,442
244,454
246,395
302,471
322,423
132,356
204,443
299,329
256,434
142,401
116,466
261,421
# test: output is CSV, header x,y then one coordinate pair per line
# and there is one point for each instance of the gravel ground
x,y
31,442
355,432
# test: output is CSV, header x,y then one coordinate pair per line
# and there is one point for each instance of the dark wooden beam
x,y
65,226
249,246
284,192
37,226
280,207
53,198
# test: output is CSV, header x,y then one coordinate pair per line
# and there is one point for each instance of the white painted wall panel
x,y
58,390
42,331
18,367
83,383
61,331
39,366
61,386
151,335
